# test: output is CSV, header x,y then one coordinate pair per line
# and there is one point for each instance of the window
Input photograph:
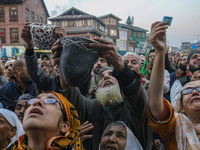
x,y
14,51
109,21
71,23
90,23
37,18
84,23
105,21
134,34
59,23
3,38
139,34
14,35
27,15
36,2
113,32
13,14
143,34
41,20
4,52
114,22
32,17
2,15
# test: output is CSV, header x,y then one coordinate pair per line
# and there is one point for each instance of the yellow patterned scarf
x,y
70,139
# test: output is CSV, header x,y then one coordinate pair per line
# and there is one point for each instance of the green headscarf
x,y
143,69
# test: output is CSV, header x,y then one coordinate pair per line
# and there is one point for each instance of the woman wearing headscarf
x,y
10,128
119,137
50,122
179,129
147,67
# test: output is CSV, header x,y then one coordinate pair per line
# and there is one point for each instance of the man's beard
x,y
109,95
26,79
182,67
193,68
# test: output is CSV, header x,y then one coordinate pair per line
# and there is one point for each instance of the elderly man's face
x,y
133,63
106,79
108,92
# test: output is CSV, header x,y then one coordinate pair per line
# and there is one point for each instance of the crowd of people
x,y
129,102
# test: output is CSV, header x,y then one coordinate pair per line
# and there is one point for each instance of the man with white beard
x,y
120,96
109,93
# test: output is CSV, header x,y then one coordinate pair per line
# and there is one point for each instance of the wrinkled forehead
x,y
191,84
116,128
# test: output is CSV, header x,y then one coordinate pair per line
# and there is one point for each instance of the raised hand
x,y
56,52
108,51
26,36
157,37
85,128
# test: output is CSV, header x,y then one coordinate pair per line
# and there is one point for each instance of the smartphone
x,y
168,20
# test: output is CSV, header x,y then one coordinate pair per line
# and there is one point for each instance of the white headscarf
x,y
131,141
11,117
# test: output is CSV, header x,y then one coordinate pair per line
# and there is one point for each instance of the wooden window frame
x,y
13,17
16,38
2,14
3,38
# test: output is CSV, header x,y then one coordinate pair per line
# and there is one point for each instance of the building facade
x,y
79,23
136,36
112,23
13,15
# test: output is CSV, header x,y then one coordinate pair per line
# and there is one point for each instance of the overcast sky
x,y
186,14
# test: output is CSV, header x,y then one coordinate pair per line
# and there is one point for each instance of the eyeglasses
x,y
46,101
190,90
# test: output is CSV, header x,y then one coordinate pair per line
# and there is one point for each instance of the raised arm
x,y
157,38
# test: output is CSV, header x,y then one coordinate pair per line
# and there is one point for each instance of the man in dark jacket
x,y
11,91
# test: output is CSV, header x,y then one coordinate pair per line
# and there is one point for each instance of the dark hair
x,y
18,63
45,55
191,54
